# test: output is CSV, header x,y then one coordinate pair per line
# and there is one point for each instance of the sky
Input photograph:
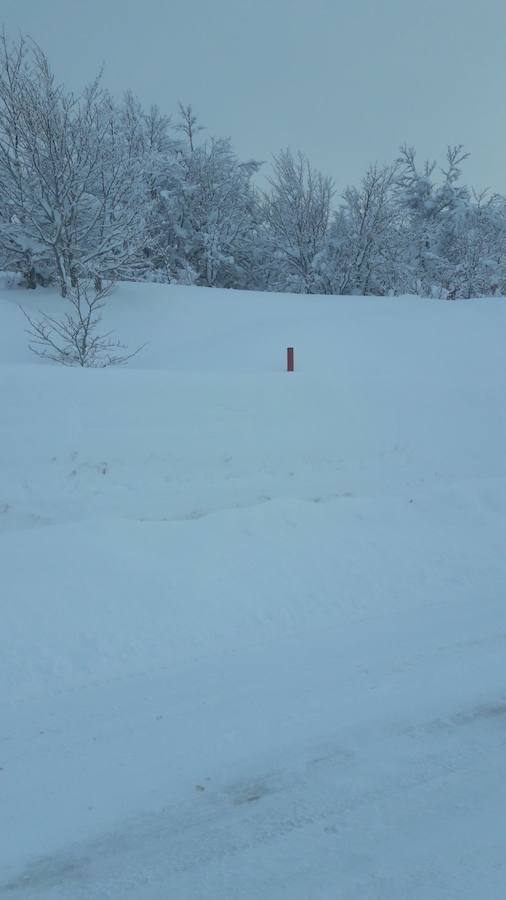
x,y
344,81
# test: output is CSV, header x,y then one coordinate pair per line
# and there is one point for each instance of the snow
x,y
253,636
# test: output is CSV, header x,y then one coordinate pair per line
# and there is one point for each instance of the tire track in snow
x,y
322,793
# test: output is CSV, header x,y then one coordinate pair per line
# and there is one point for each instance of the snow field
x,y
254,628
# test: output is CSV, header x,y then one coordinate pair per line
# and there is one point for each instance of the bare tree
x,y
188,124
75,338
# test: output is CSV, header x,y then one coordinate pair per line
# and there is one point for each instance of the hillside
x,y
253,638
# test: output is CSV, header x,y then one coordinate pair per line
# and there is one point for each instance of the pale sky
x,y
345,81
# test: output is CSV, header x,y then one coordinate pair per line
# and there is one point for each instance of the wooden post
x,y
289,359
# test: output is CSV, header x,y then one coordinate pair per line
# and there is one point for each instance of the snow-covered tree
x,y
219,215
296,221
362,253
68,180
148,139
474,248
95,190
204,212
432,210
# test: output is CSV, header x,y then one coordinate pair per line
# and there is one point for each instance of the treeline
x,y
99,189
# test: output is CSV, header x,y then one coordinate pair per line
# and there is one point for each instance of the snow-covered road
x,y
365,763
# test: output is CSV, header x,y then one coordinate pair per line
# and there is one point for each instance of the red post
x,y
289,359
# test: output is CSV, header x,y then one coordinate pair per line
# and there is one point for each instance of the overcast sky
x,y
345,81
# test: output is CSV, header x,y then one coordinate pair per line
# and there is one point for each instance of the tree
x,y
219,215
474,248
75,338
361,255
147,137
204,210
68,180
92,190
431,210
296,220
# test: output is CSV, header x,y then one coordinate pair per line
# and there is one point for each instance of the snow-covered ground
x,y
253,624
